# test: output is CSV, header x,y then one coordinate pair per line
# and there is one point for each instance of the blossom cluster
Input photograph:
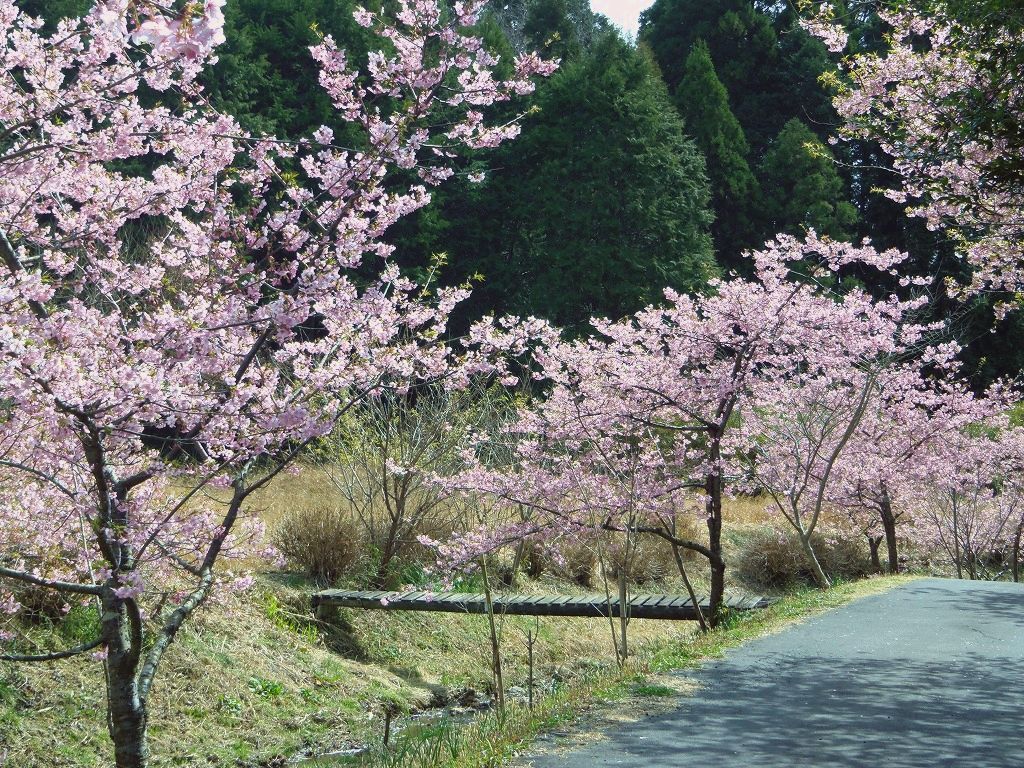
x,y
178,316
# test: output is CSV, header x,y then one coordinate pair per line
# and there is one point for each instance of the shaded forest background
x,y
641,164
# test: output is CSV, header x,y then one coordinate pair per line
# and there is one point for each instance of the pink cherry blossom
x,y
171,340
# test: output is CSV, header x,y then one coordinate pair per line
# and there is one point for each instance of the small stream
x,y
424,724
414,726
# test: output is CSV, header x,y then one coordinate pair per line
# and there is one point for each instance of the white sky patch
x,y
624,13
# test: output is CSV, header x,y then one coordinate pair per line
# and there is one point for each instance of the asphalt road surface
x,y
929,674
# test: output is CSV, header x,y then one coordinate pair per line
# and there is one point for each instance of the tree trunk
x,y
717,596
499,680
1016,551
126,711
517,563
889,526
387,554
874,542
689,587
957,559
623,615
127,726
816,569
713,505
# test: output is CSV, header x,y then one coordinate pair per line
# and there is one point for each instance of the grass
x,y
256,681
492,740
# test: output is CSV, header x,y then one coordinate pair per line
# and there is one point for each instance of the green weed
x,y
265,688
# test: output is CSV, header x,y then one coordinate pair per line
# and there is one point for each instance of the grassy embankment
x,y
255,681
606,696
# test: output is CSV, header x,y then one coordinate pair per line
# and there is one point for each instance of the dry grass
x,y
746,510
241,682
255,679
309,488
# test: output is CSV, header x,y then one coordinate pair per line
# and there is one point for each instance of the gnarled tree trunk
x,y
126,708
889,526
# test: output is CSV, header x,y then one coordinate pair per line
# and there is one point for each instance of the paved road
x,y
930,674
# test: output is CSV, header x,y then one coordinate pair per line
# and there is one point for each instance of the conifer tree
x,y
744,48
704,104
802,188
603,202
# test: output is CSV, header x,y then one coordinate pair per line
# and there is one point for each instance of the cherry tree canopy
x,y
170,285
642,424
945,100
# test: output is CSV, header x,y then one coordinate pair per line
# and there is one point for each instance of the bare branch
x,y
54,655
60,586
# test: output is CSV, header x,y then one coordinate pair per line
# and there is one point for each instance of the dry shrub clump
x,y
38,603
578,563
650,561
770,559
324,542
535,560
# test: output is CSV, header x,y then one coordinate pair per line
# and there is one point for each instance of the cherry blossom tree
x,y
172,286
973,510
944,100
891,454
641,425
857,437
800,436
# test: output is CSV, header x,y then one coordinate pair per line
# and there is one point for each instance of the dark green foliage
x,y
266,76
594,209
802,188
802,60
55,10
704,104
744,49
560,28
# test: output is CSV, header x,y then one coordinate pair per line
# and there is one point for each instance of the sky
x,y
622,12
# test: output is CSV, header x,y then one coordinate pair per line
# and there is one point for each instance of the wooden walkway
x,y
677,607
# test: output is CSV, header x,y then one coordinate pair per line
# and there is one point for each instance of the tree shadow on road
x,y
984,601
926,676
814,712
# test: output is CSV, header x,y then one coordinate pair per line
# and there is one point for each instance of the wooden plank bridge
x,y
678,607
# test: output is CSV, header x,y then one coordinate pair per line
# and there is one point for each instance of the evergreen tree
x,y
560,28
265,76
52,11
802,188
600,204
743,46
704,104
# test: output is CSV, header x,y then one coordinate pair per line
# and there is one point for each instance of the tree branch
x,y
60,586
55,655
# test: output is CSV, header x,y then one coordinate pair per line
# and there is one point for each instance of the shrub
x,y
579,563
651,560
536,562
572,560
39,604
323,541
770,559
